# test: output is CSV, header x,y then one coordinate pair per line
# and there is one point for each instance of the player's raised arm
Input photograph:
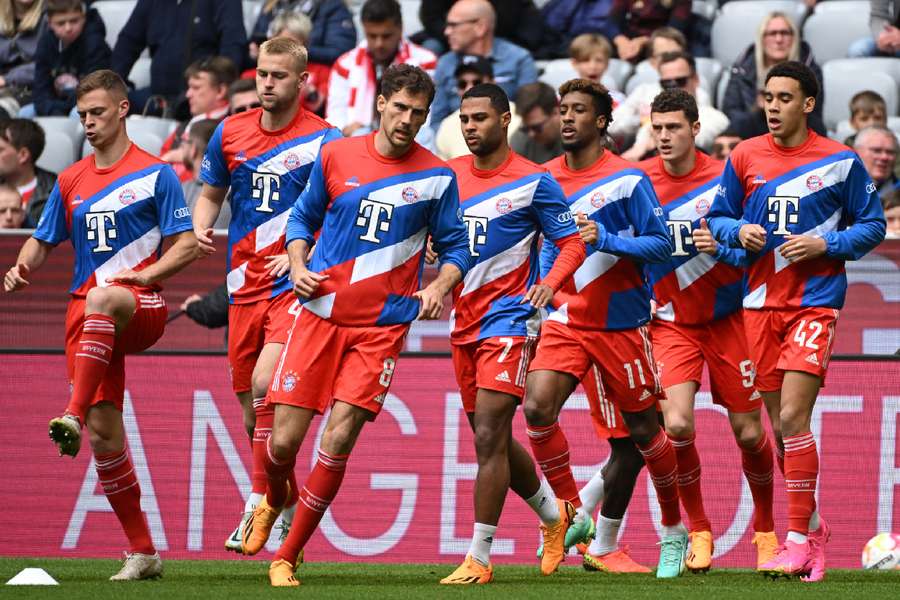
x,y
216,178
651,242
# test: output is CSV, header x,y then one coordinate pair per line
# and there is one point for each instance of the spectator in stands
x,y
193,149
21,144
472,71
333,32
724,144
242,96
884,21
470,30
20,27
72,46
890,202
635,20
12,215
207,95
574,18
298,27
177,34
537,138
590,54
634,112
867,108
356,76
777,40
877,147
678,70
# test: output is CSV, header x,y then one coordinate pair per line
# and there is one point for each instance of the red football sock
x,y
92,356
264,417
663,468
120,485
315,498
551,450
801,467
277,473
757,463
689,482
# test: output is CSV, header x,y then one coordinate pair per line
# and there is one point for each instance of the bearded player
x,y
373,201
698,320
800,205
116,206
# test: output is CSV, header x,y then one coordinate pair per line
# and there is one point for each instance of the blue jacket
x,y
571,18
333,32
162,26
88,53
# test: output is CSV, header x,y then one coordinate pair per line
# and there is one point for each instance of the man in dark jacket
x,y
178,33
73,45
21,144
571,18
332,33
743,105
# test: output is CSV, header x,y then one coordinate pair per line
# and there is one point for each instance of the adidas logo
x,y
812,358
645,394
759,180
241,155
504,377
352,182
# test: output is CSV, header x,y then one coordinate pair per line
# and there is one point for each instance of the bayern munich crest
x,y
291,161
814,183
289,381
598,199
702,206
504,205
409,195
127,196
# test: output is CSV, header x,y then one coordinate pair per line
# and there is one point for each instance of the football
x,y
882,552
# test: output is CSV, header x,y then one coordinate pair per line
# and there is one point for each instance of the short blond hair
x,y
283,45
586,44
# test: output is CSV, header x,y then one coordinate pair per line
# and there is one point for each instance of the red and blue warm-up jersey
x,y
373,214
609,290
116,218
505,210
266,170
692,288
820,189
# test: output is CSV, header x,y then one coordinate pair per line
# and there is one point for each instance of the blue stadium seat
x,y
834,26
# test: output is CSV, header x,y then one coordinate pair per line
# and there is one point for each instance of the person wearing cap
x,y
472,70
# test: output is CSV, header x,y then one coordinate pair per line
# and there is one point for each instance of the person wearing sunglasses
x,y
472,70
538,138
242,96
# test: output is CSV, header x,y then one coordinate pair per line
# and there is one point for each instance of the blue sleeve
x,y
51,227
551,209
725,217
862,213
736,257
308,213
331,134
527,71
213,169
337,34
651,242
448,231
549,252
173,214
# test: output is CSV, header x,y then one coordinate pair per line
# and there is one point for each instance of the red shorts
x,y
681,351
789,340
498,364
322,362
146,326
624,360
605,415
252,326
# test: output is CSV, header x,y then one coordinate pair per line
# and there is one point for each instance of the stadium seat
x,y
884,64
411,22
161,128
251,9
68,126
834,26
58,151
638,78
722,86
558,71
140,73
894,125
147,140
843,80
115,14
735,28
617,74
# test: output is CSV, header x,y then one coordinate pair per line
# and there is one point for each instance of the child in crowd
x,y
590,54
867,108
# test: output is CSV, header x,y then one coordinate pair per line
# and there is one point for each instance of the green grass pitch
x,y
245,579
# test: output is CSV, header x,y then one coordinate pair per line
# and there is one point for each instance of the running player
x,y
373,200
116,206
507,202
801,205
265,156
697,321
601,314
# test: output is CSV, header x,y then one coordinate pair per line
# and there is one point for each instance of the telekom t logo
x,y
101,226
477,227
370,218
681,235
783,211
265,189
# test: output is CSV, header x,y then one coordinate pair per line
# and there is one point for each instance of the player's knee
x,y
100,300
643,430
679,426
794,419
260,384
747,433
105,441
283,447
489,441
538,406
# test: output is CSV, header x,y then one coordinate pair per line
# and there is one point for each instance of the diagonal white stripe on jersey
x,y
560,315
497,266
388,258
830,174
520,197
129,256
818,231
693,269
321,306
756,298
665,313
271,231
695,208
136,190
419,190
235,279
593,267
305,154
612,191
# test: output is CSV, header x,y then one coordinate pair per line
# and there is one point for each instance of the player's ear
x,y
695,128
304,79
505,119
809,104
380,103
124,106
601,122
